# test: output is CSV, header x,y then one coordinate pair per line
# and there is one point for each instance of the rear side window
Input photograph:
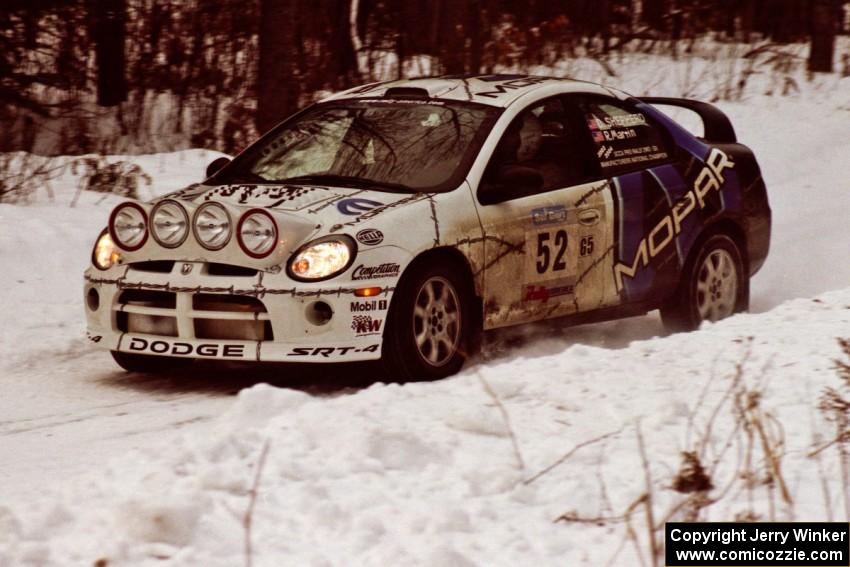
x,y
623,139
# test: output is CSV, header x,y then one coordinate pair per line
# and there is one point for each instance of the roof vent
x,y
406,92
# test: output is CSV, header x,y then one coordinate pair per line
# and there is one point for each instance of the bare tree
x,y
109,33
824,23
278,84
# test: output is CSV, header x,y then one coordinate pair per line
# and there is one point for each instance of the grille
x,y
215,269
218,321
205,315
147,311
157,266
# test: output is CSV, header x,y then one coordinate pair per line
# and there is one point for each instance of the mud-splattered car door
x,y
547,218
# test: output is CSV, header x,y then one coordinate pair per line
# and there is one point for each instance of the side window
x,y
543,140
623,139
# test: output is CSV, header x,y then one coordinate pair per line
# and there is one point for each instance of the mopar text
x,y
710,178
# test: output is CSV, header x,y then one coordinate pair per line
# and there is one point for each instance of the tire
x,y
714,285
428,330
148,363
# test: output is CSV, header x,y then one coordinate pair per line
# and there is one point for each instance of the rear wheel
x,y
148,363
714,286
427,333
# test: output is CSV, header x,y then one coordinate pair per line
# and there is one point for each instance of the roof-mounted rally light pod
x,y
406,92
717,127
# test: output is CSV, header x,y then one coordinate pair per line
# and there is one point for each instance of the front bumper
x,y
189,311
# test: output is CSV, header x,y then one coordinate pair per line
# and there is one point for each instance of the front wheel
x,y
713,287
148,363
428,325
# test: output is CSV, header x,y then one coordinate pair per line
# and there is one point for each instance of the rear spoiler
x,y
716,126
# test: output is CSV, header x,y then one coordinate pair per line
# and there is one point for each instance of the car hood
x,y
330,209
302,212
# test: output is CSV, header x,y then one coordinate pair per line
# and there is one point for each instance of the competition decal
x,y
710,179
385,270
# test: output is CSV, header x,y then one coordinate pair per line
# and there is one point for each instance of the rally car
x,y
399,220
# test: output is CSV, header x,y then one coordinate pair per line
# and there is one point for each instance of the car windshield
x,y
385,144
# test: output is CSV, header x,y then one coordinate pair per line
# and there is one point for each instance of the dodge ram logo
x,y
186,269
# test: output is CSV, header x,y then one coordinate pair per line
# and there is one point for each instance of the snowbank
x,y
476,470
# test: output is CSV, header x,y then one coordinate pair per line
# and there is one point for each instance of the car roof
x,y
499,90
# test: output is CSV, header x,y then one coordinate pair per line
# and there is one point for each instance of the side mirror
x,y
512,181
216,165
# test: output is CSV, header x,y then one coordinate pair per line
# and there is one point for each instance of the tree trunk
x,y
476,52
278,89
109,35
653,14
824,19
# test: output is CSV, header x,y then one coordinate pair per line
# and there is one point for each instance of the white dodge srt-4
x,y
399,220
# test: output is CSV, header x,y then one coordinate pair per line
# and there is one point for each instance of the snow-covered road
x,y
67,411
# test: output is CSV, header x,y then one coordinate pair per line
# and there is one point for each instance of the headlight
x,y
212,226
169,223
128,226
105,254
257,233
323,258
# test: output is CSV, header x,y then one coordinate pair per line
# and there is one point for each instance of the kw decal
x,y
365,325
710,178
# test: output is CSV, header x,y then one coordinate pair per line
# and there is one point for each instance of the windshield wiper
x,y
348,181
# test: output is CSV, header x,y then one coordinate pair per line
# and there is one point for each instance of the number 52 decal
x,y
547,252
